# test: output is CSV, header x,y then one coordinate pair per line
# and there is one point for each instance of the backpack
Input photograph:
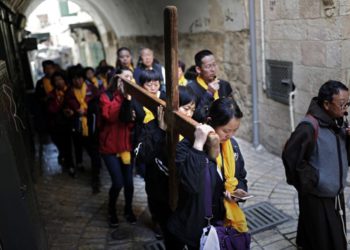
x,y
291,175
150,143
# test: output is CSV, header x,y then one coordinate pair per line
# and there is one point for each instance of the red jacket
x,y
56,118
115,136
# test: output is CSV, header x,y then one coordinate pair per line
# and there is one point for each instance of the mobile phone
x,y
242,197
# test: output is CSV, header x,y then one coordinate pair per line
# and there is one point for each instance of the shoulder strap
x,y
314,122
207,194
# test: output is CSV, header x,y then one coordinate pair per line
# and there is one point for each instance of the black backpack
x,y
291,174
150,143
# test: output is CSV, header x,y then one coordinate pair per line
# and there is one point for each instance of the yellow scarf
x,y
125,157
47,85
80,95
182,81
234,214
205,86
149,115
94,80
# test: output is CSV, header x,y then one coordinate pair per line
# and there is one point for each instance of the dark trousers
x,y
320,226
90,144
63,141
78,152
121,176
140,168
174,243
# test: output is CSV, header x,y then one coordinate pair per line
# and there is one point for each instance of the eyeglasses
x,y
209,66
343,105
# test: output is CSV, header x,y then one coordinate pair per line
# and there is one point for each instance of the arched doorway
x,y
65,33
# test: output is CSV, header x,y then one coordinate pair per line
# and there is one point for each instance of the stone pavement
x,y
74,218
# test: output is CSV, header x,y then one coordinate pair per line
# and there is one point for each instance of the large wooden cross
x,y
176,122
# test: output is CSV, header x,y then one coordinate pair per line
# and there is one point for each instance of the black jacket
x,y
188,220
204,98
152,152
140,115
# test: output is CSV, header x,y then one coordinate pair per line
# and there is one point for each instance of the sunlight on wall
x,y
50,24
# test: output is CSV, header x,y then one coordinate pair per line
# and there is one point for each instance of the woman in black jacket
x,y
150,81
152,152
227,176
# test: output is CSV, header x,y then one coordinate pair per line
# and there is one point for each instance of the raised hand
x,y
201,134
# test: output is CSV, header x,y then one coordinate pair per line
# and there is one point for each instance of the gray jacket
x,y
316,154
329,159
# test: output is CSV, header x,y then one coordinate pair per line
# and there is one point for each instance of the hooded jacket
x,y
321,163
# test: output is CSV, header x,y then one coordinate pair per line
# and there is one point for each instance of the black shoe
x,y
157,232
80,167
60,160
130,217
72,172
113,221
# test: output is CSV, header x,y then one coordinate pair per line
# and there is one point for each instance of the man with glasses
x,y
317,152
207,87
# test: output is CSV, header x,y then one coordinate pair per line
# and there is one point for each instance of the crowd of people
x,y
88,109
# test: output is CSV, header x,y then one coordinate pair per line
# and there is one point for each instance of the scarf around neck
x,y
47,85
80,94
203,84
234,214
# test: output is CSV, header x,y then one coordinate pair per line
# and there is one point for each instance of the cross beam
x,y
183,124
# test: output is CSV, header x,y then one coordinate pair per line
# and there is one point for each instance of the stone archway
x,y
87,36
120,19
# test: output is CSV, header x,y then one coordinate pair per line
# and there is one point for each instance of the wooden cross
x,y
176,122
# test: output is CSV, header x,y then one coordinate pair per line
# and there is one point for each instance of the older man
x,y
317,153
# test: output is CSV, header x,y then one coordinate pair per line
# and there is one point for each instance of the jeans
x,y
121,176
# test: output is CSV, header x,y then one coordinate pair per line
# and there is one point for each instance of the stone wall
x,y
315,38
17,171
231,51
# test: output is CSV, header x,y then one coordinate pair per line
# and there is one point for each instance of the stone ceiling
x,y
145,17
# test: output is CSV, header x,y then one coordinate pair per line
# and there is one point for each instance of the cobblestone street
x,y
76,219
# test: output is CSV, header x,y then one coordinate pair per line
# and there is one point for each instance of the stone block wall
x,y
315,38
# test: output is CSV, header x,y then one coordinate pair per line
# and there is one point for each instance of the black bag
x,y
150,143
229,238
